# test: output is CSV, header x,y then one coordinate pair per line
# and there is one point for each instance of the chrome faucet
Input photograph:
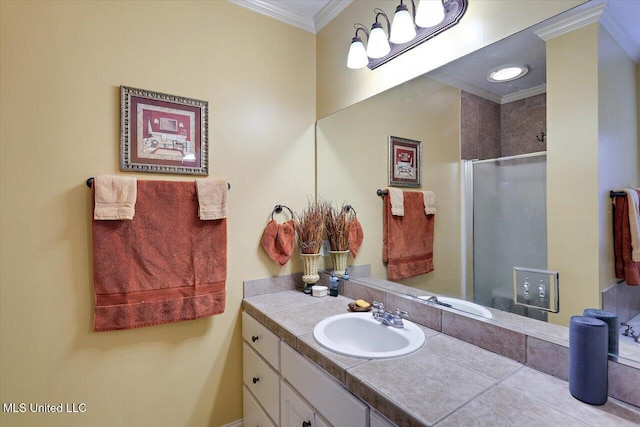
x,y
388,318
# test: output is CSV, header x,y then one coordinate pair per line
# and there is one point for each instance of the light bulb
x,y
357,54
430,13
402,28
378,44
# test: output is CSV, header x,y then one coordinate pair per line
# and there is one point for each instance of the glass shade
x,y
357,54
378,43
402,28
430,13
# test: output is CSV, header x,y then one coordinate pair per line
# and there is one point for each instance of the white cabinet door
x,y
331,399
294,411
321,422
378,420
253,415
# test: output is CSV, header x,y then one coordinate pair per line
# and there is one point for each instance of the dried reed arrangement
x,y
310,225
338,223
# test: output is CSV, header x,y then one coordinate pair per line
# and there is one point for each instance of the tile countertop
x,y
448,382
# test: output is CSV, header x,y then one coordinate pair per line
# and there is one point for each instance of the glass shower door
x,y
509,227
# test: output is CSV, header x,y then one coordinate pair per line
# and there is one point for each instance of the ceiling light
x,y
430,13
507,73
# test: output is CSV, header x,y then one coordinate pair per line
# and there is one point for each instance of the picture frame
x,y
405,162
163,133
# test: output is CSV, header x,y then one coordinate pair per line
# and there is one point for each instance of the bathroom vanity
x,y
290,380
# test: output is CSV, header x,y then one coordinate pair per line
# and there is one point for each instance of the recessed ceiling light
x,y
506,73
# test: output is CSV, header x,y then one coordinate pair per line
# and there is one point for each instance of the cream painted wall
x,y
572,169
352,152
618,142
61,67
592,148
484,22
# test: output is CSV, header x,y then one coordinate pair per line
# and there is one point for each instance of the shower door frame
x,y
466,244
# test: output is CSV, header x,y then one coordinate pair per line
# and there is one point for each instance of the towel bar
x,y
613,194
90,183
380,192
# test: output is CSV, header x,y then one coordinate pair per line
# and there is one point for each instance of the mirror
x,y
352,150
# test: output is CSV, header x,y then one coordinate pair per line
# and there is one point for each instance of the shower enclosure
x,y
509,225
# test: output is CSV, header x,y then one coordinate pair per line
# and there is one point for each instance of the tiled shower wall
x,y
490,130
622,300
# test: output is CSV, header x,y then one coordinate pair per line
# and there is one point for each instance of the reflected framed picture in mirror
x,y
405,162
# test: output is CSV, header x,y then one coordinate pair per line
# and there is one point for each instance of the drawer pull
x,y
255,379
255,338
306,424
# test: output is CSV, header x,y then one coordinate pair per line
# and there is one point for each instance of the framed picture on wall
x,y
405,162
163,133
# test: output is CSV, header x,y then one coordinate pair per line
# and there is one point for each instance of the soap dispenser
x,y
333,285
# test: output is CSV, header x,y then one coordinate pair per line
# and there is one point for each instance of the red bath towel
x,y
165,265
407,241
625,267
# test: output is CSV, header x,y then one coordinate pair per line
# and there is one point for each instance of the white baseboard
x,y
234,424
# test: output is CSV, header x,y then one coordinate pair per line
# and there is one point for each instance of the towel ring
x,y
348,208
278,209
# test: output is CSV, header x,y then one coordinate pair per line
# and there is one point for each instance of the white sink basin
x,y
360,335
462,305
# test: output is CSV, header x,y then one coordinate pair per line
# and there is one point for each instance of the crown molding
x,y
523,94
312,25
278,13
577,20
328,12
613,26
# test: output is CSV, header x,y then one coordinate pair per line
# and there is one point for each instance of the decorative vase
x,y
339,260
310,270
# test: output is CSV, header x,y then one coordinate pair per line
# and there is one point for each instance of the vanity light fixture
x,y
357,53
409,29
403,29
378,43
507,73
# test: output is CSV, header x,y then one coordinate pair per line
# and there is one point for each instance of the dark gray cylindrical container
x,y
612,322
588,346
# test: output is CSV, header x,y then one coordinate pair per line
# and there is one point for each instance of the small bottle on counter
x,y
333,285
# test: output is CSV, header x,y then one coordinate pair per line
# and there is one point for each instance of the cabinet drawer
x,y
253,415
261,339
332,400
262,380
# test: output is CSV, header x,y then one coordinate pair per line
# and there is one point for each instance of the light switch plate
x,y
536,288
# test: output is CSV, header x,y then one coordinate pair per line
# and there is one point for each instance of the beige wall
x,y
484,22
592,148
61,68
352,155
618,143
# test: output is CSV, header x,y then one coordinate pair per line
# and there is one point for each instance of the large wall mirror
x,y
459,115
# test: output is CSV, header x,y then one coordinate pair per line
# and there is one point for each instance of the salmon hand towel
x,y
356,236
166,265
626,268
278,241
633,202
212,198
407,241
115,197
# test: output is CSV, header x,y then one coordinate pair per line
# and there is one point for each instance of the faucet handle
x,y
378,305
401,313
